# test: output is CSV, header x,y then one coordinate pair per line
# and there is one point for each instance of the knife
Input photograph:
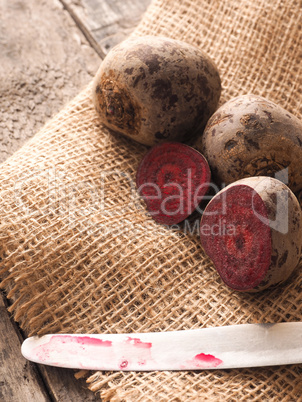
x,y
243,345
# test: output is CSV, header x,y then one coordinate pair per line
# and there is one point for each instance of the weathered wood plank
x,y
108,21
45,61
19,380
64,387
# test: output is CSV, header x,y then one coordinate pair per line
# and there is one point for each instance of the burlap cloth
x,y
78,252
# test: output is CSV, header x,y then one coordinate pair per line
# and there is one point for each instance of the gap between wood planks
x,y
85,31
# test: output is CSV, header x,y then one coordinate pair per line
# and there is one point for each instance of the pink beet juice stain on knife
x,y
84,340
69,347
85,350
137,351
210,360
138,343
202,361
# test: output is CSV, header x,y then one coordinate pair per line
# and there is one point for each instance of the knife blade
x,y
233,346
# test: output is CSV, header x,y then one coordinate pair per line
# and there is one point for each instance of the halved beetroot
x,y
172,179
252,232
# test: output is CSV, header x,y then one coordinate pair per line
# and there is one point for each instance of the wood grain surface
x,y
49,50
18,377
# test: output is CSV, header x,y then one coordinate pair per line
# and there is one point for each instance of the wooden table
x,y
49,50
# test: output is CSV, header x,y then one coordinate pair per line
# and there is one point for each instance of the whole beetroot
x,y
252,231
252,136
155,89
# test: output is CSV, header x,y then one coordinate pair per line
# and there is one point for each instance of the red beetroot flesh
x,y
236,239
172,178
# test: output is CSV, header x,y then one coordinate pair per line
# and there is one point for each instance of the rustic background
x,y
257,47
49,51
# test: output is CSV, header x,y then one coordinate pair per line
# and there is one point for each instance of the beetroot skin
x,y
252,136
172,179
252,232
155,89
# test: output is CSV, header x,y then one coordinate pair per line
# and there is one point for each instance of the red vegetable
x,y
252,232
172,178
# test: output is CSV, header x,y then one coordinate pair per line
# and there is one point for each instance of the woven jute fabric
x,y
80,254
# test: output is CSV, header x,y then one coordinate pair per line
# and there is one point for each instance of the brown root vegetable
x,y
155,89
172,179
252,231
252,136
